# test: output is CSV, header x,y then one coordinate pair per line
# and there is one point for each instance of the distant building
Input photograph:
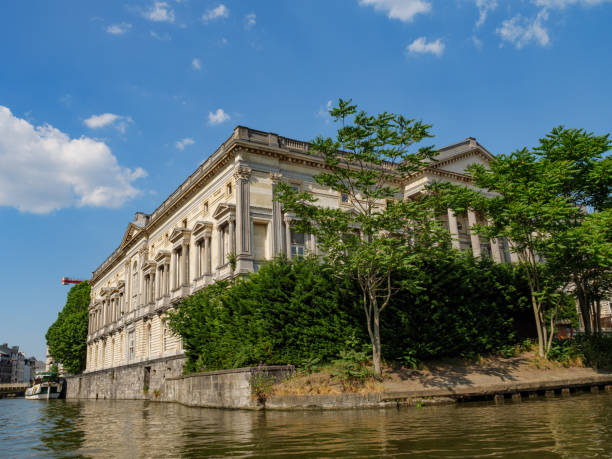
x,y
14,366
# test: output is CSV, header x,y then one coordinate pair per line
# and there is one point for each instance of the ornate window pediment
x,y
179,233
162,255
224,209
149,267
201,226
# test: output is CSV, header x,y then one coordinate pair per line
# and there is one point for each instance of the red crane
x,y
67,280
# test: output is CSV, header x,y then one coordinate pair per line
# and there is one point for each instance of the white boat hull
x,y
43,391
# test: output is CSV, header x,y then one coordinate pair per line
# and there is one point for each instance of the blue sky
x,y
106,107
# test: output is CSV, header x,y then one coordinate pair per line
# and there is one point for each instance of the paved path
x,y
516,374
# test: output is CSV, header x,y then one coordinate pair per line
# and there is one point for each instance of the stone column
x,y
277,219
153,281
127,280
474,238
207,258
453,228
185,260
288,236
173,269
232,235
313,244
242,175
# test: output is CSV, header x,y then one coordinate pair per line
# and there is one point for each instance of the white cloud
x,y
404,10
118,29
163,37
217,117
250,20
421,46
521,31
220,11
196,63
106,119
324,112
42,169
560,4
181,144
159,12
484,8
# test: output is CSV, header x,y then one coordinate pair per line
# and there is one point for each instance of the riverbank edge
x,y
513,391
240,388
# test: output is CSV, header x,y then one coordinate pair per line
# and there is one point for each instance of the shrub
x,y
286,313
464,307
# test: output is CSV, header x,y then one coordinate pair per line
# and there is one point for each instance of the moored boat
x,y
46,386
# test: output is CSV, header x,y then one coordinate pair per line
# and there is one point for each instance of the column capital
x,y
276,177
242,172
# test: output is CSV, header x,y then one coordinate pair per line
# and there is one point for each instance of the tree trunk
x,y
538,319
376,348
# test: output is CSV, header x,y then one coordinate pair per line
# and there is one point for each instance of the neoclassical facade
x,y
226,207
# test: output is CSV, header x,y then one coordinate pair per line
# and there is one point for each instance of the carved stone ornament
x,y
276,177
242,172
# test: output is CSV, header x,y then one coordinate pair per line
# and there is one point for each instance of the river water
x,y
576,426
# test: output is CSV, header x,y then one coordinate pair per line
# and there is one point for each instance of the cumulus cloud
x,y
421,46
159,12
220,11
106,119
484,8
196,63
42,169
217,117
521,31
404,10
181,144
118,29
250,20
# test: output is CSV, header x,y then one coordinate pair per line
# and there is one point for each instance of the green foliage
x,y
596,350
378,233
286,313
352,367
67,336
261,384
464,307
543,204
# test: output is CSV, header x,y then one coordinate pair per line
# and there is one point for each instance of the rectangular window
x,y
297,244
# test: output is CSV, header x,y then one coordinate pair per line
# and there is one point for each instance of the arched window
x,y
164,337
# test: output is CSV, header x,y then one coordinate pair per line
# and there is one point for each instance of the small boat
x,y
46,386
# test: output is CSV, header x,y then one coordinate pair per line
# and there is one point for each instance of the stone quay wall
x,y
163,380
137,381
235,388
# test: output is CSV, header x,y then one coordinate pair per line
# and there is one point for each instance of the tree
x,y
538,200
376,233
67,336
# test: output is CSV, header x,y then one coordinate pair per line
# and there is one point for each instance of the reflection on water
x,y
577,426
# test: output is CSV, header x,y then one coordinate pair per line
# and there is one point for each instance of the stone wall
x,y
127,382
233,388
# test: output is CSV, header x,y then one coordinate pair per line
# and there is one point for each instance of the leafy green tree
x,y
377,233
537,200
67,336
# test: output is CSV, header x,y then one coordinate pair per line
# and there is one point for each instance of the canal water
x,y
576,426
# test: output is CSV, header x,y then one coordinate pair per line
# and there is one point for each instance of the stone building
x,y
226,207
14,366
